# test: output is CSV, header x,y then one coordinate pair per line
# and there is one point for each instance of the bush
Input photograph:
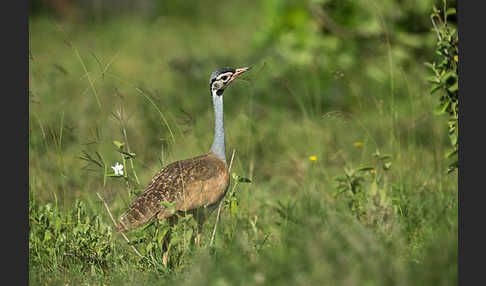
x,y
78,239
445,78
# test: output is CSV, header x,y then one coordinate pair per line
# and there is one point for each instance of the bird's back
x,y
189,184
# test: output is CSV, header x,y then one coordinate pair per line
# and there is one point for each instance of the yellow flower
x,y
313,158
372,171
358,144
456,58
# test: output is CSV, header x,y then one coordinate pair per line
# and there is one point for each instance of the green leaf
x,y
451,153
240,179
430,65
445,106
434,88
136,192
118,144
453,88
451,11
385,156
244,180
453,166
433,79
441,108
387,166
362,169
453,138
448,75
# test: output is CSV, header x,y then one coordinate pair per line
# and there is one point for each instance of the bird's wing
x,y
189,184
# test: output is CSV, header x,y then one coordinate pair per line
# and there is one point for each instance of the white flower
x,y
118,169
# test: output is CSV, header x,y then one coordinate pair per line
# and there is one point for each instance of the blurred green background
x,y
336,85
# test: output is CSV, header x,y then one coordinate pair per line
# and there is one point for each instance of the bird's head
x,y
221,79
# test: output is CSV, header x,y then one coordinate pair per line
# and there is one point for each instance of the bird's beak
x,y
238,72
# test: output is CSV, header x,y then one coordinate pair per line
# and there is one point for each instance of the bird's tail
x,y
121,228
127,221
134,218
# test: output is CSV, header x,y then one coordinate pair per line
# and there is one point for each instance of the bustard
x,y
192,184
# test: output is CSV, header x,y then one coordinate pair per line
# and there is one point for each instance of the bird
x,y
193,184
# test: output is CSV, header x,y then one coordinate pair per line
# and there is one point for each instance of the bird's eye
x,y
224,77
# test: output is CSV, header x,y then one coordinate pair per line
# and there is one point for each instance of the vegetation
x,y
445,77
339,175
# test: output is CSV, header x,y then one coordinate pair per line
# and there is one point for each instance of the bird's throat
x,y
218,147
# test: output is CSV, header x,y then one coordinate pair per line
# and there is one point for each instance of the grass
x,y
145,83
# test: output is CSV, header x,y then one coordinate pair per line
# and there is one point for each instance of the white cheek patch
x,y
226,76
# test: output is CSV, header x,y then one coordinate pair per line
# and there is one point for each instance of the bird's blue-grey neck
x,y
218,147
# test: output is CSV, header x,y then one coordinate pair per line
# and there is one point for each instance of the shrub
x,y
445,78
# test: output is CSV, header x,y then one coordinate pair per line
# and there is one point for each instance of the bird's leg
x,y
165,247
201,218
166,241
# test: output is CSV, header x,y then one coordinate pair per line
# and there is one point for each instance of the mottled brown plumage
x,y
192,183
189,185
